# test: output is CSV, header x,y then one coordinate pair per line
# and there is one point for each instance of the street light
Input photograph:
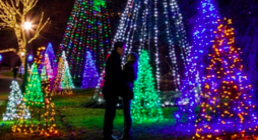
x,y
30,58
1,57
27,25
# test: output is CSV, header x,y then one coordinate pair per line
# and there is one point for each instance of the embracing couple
x,y
119,82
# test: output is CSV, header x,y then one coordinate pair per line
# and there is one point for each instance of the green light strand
x,y
97,4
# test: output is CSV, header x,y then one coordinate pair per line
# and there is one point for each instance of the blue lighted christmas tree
x,y
51,55
203,36
90,74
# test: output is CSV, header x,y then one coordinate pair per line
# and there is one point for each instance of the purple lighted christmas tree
x,y
90,74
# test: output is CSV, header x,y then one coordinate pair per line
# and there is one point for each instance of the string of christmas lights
x,y
47,123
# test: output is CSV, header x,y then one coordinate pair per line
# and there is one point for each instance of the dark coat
x,y
129,76
113,78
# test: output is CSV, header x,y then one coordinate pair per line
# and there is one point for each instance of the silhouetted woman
x,y
129,75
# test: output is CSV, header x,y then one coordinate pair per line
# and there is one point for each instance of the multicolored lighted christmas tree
x,y
63,81
227,107
90,74
16,108
33,93
203,36
88,28
146,104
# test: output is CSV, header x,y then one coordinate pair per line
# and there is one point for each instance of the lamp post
x,y
26,26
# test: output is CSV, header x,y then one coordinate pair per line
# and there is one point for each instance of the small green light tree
x,y
146,104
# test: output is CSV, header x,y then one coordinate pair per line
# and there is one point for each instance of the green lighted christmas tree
x,y
146,105
33,92
16,107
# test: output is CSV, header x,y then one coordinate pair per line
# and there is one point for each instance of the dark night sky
x,y
243,13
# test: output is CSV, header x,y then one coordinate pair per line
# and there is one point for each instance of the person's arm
x,y
129,74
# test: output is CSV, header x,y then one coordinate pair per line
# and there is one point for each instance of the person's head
x,y
132,57
119,47
132,60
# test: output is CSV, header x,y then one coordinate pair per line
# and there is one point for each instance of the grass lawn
x,y
77,122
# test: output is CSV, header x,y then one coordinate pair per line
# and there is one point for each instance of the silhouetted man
x,y
112,88
15,71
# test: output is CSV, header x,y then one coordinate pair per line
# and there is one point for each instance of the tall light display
x,y
158,27
227,107
146,104
203,37
88,28
16,108
90,74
